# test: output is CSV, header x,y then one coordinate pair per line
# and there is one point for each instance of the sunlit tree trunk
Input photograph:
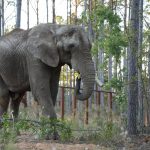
x,y
101,60
132,69
125,66
18,16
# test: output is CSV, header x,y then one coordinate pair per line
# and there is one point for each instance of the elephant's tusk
x,y
99,82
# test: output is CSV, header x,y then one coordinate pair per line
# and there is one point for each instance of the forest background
x,y
120,34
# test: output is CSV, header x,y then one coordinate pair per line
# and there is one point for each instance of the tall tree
x,y
18,16
28,23
3,20
70,12
37,11
53,8
132,69
140,83
47,16
90,30
0,17
125,49
101,58
76,10
67,11
110,56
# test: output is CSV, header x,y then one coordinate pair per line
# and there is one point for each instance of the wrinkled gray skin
x,y
32,59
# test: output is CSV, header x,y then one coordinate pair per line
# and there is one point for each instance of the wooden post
x,y
62,104
98,102
74,106
110,100
110,105
86,111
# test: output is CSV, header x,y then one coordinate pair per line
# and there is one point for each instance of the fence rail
x,y
73,101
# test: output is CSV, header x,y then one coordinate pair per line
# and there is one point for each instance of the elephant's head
x,y
64,45
74,47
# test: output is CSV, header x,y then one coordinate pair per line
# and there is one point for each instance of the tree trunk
x,y
90,30
85,11
37,11
125,74
28,23
76,10
140,83
70,12
53,8
47,10
148,100
3,21
110,56
101,61
0,17
132,69
18,18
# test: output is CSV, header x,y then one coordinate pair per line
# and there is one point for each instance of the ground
x,y
28,142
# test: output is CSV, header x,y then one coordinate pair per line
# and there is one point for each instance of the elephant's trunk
x,y
88,78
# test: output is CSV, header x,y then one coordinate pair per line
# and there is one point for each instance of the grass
x,y
107,130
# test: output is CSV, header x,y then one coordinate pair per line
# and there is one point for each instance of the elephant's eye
x,y
71,33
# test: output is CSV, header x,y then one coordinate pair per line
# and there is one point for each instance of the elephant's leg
x,y
39,76
4,101
15,103
4,98
54,83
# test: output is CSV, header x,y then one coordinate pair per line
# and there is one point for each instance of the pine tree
x,y
132,69
18,16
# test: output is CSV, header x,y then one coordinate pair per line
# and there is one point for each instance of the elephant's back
x,y
13,65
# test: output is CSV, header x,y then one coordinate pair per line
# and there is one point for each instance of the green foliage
x,y
108,34
50,127
120,96
8,132
113,43
108,130
114,83
45,127
100,131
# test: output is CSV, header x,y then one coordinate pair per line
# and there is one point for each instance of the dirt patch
x,y
27,141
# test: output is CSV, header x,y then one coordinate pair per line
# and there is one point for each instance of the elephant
x,y
31,60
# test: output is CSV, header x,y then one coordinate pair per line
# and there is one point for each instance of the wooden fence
x,y
95,100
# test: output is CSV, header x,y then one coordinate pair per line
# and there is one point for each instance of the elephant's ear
x,y
43,47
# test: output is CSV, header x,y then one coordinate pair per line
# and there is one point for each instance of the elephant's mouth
x,y
87,77
78,86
